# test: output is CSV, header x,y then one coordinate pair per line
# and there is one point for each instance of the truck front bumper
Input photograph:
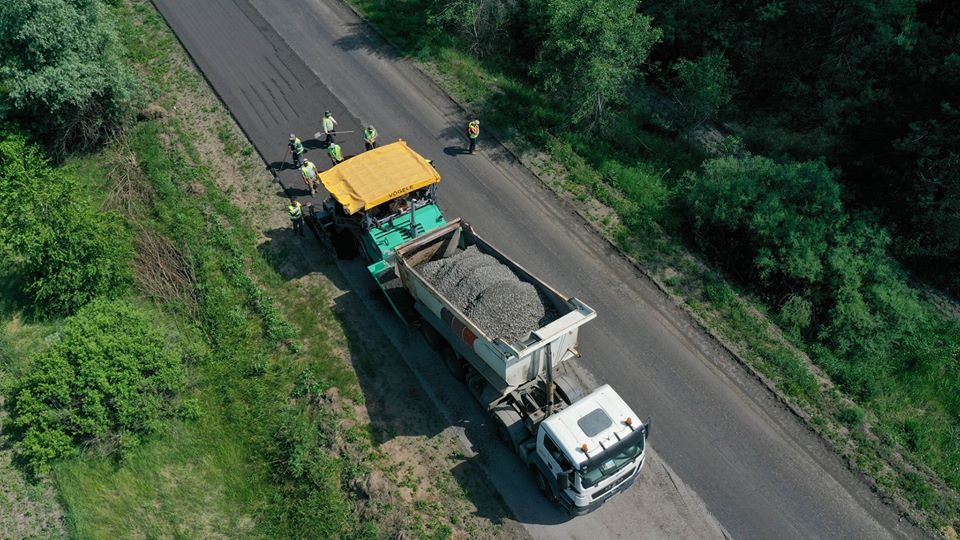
x,y
574,510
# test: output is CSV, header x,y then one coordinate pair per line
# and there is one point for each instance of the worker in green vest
x,y
473,132
296,215
329,126
336,155
370,137
296,149
309,172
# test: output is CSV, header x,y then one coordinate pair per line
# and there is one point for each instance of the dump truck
x,y
501,330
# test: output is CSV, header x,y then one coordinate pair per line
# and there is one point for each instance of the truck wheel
x,y
453,363
510,428
343,245
432,337
542,484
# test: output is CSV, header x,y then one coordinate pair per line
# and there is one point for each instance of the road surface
x,y
278,64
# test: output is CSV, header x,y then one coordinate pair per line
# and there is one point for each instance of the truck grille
x,y
613,485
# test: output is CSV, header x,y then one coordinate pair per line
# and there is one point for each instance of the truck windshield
x,y
610,461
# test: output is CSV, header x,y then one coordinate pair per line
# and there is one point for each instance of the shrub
x,y
61,71
108,382
795,314
313,502
67,251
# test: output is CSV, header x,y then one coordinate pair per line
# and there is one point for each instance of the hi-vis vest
x,y
473,129
334,152
309,170
328,123
295,212
297,146
369,135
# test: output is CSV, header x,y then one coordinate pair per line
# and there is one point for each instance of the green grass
x,y
196,481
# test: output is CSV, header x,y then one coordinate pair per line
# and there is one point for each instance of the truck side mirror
x,y
563,481
646,428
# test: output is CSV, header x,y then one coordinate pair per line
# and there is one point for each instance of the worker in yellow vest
x,y
473,132
336,155
296,215
329,126
370,137
296,149
309,172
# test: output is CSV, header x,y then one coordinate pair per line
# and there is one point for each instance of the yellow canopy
x,y
377,176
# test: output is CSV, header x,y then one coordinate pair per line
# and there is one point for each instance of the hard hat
x,y
326,113
292,136
370,127
477,121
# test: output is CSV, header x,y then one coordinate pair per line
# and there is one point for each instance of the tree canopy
x,y
590,52
61,72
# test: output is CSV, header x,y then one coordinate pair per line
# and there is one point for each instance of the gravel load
x,y
489,293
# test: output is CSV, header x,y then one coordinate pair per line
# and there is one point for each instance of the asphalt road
x,y
278,64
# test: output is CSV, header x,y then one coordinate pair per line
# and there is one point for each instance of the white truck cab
x,y
592,450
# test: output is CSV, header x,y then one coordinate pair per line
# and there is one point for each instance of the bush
x,y
108,382
67,251
61,71
313,501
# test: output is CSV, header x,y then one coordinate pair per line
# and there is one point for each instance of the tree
x,y
480,23
108,382
770,222
932,235
591,52
67,252
62,75
704,87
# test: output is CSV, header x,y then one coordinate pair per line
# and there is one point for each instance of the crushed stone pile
x,y
490,294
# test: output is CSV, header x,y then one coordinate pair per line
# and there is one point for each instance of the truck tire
x,y
432,337
453,362
343,245
569,388
543,484
509,426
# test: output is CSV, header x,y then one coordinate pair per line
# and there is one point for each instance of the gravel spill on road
x,y
489,293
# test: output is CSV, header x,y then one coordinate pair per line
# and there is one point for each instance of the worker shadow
x,y
314,144
290,191
278,166
455,150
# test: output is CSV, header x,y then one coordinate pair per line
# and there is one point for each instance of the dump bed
x,y
508,356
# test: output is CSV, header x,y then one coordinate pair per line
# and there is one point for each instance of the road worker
x,y
370,137
296,149
296,215
336,155
309,172
473,131
329,126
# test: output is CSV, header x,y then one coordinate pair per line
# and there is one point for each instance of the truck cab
x,y
590,451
